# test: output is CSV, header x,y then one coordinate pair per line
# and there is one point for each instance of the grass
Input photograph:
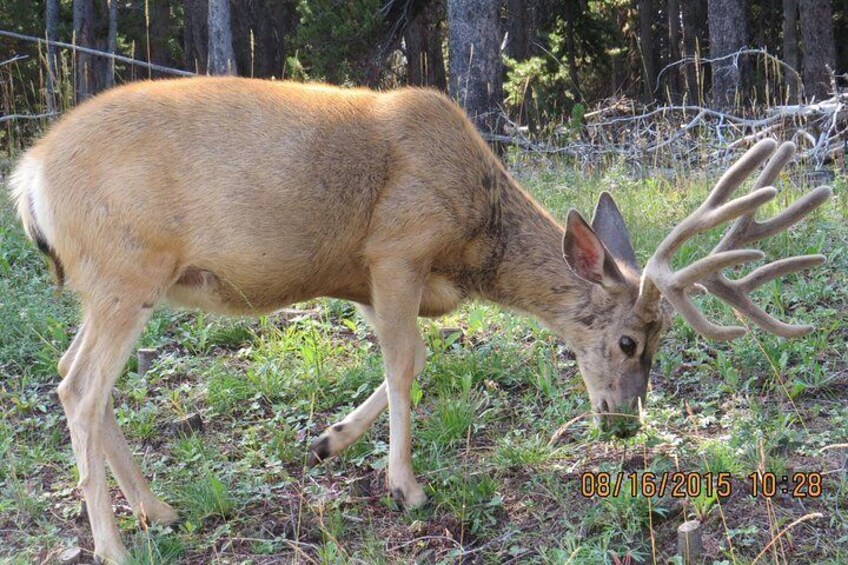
x,y
496,389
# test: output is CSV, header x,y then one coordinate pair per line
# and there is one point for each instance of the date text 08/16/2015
x,y
682,484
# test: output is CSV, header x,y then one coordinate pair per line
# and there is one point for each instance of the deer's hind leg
x,y
145,504
130,479
114,314
345,433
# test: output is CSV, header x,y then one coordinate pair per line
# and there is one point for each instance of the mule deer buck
x,y
240,196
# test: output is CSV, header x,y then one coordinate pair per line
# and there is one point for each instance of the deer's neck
x,y
532,276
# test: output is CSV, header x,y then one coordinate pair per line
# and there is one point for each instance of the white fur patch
x,y
27,182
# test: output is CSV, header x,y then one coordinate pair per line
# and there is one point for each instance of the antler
x,y
659,279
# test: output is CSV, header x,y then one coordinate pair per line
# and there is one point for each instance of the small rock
x,y
191,424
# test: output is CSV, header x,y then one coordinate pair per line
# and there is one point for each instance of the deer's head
x,y
617,331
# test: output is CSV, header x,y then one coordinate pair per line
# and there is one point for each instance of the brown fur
x,y
241,196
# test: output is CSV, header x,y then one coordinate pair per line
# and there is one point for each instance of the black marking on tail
x,y
40,242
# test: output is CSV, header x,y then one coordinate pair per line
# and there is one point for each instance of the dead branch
x,y
11,117
678,135
735,56
98,53
14,59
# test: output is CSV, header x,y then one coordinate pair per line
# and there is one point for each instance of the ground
x,y
501,433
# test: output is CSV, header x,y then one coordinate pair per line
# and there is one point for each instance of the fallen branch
x,y
14,59
735,56
11,117
89,51
686,134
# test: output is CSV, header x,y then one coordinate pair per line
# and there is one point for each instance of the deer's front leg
x,y
341,435
396,293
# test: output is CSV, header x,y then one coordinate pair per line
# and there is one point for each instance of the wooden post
x,y
689,544
145,360
70,556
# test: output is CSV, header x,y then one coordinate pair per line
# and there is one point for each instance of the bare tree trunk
x,y
475,59
571,46
425,64
675,84
222,59
646,45
415,41
819,50
84,79
728,34
522,21
261,32
51,21
790,44
692,15
521,24
111,43
195,35
158,34
437,61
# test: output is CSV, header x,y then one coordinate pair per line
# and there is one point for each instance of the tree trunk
x,y
222,59
728,34
522,21
84,79
840,29
159,34
196,35
692,13
261,32
475,59
646,45
819,50
425,65
51,21
675,83
571,46
111,44
790,45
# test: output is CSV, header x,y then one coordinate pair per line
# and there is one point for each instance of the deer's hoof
x,y
161,513
320,450
410,497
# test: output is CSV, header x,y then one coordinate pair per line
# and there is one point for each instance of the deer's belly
x,y
206,290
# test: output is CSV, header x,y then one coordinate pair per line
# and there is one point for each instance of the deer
x,y
241,196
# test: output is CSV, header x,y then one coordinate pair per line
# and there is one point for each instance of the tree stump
x,y
70,556
146,357
689,544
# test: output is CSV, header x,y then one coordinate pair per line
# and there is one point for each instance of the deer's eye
x,y
628,345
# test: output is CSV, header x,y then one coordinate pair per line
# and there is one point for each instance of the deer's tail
x,y
28,192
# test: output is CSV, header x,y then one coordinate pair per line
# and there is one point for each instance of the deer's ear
x,y
608,224
585,253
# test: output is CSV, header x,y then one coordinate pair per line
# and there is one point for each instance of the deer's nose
x,y
621,420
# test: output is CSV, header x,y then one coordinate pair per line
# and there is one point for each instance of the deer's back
x,y
260,193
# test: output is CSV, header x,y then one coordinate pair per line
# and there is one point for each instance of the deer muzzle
x,y
617,409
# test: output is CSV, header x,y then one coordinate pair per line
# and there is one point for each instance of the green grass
x,y
496,389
